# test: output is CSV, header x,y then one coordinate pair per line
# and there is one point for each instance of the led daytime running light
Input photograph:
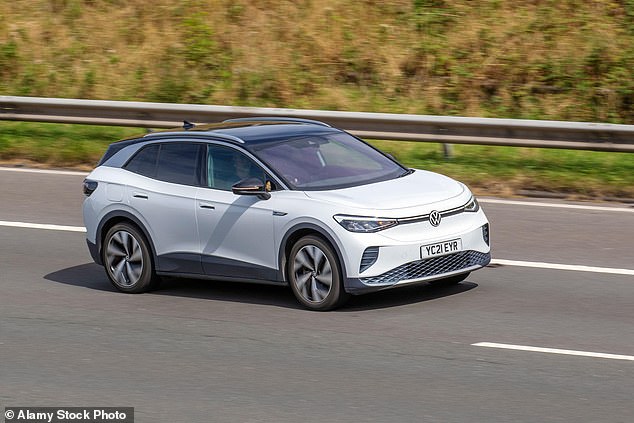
x,y
365,224
472,206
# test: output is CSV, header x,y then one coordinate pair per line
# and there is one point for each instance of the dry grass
x,y
565,59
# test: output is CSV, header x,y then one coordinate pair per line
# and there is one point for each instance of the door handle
x,y
140,195
207,206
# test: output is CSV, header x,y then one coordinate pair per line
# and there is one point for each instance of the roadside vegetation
x,y
533,59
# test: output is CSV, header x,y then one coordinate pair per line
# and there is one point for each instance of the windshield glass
x,y
328,161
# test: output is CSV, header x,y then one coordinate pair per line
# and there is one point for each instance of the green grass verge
x,y
488,170
508,170
56,145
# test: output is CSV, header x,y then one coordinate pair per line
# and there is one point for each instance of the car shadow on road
x,y
92,276
404,296
89,275
240,292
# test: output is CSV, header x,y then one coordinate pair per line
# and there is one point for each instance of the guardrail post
x,y
447,151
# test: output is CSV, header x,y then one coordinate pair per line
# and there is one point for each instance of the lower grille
x,y
430,267
369,258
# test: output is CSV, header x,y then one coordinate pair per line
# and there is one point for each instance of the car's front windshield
x,y
327,161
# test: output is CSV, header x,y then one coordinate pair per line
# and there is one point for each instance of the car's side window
x,y
176,162
144,161
227,166
179,163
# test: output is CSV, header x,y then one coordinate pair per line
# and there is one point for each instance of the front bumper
x,y
421,271
392,264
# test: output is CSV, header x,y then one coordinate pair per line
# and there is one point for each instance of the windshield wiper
x,y
407,172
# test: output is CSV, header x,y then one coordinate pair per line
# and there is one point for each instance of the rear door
x,y
162,189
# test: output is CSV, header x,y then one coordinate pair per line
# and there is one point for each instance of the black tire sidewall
x,y
147,279
337,295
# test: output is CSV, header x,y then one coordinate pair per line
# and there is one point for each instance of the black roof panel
x,y
250,132
247,133
261,134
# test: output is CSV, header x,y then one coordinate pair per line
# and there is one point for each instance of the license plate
x,y
441,248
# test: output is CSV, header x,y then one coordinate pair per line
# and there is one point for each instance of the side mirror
x,y
252,186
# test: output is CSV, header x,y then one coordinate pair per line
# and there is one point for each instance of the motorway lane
x,y
208,351
554,235
201,351
41,197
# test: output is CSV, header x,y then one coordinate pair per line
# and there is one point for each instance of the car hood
x,y
417,189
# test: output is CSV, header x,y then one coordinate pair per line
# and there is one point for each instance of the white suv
x,y
277,200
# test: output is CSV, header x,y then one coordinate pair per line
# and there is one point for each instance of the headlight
x,y
364,224
472,205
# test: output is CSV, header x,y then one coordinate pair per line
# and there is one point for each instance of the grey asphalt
x,y
200,351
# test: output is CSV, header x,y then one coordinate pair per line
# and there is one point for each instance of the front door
x,y
237,234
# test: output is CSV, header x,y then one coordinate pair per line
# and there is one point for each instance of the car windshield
x,y
328,161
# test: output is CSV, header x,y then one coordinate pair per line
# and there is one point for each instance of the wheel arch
x,y
299,231
119,216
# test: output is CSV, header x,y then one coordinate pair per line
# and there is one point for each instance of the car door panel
x,y
236,235
164,179
170,211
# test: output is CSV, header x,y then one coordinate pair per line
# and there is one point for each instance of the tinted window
x,y
226,166
144,162
179,163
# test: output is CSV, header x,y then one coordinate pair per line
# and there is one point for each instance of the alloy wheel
x,y
124,258
313,276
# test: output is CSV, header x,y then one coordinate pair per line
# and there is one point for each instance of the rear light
x,y
89,187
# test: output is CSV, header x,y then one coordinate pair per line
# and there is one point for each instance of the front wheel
x,y
126,257
314,274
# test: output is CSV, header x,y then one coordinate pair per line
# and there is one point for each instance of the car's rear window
x,y
179,163
175,162
144,162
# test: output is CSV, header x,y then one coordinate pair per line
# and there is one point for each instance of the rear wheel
x,y
314,274
126,257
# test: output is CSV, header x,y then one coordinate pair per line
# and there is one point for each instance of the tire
x,y
127,259
314,274
450,281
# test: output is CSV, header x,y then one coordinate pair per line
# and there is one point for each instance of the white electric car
x,y
277,200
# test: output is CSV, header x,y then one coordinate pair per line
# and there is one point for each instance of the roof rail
x,y
205,135
277,119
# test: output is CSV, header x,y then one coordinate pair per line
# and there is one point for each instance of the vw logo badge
x,y
434,218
